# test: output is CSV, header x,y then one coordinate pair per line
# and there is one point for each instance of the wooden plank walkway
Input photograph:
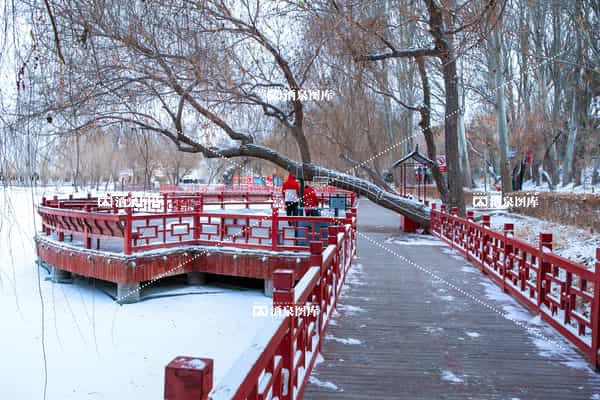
x,y
401,333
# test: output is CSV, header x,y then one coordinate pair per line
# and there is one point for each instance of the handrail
x,y
185,224
283,354
565,293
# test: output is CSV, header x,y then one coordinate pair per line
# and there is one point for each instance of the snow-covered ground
x,y
585,187
94,348
568,241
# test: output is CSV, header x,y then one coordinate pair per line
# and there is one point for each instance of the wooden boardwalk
x,y
401,333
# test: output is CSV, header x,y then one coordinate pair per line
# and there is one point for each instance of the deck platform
x,y
187,234
401,333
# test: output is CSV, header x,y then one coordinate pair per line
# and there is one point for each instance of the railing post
x,y
508,231
545,242
127,233
486,221
188,378
283,297
595,311
348,219
87,240
165,202
197,227
432,211
274,227
316,260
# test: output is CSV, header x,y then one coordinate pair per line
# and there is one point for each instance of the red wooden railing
x,y
283,354
183,221
566,294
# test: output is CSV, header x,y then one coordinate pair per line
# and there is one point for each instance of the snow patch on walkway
x,y
343,340
449,376
324,384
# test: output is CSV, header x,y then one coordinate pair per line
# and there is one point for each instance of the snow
x,y
94,347
469,269
570,242
343,340
586,187
449,376
549,343
324,384
415,240
473,335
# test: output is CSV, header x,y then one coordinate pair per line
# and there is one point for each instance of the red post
x,y
508,249
316,260
470,215
197,228
283,296
274,227
545,242
165,202
127,233
349,216
188,378
454,210
595,312
486,221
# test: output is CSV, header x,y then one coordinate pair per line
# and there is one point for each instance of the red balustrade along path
x,y
414,320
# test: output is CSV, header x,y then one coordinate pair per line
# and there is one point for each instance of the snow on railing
x,y
566,294
280,360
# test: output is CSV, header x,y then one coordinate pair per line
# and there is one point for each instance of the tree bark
x,y
425,125
501,126
447,56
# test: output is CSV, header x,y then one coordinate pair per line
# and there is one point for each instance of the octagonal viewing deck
x,y
125,240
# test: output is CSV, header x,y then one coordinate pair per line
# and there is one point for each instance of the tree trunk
x,y
425,125
465,164
569,164
502,128
411,208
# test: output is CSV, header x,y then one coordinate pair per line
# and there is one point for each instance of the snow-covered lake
x,y
96,349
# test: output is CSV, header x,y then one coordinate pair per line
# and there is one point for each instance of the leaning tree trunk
x,y
411,208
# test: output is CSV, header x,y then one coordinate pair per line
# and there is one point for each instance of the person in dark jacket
x,y
311,201
291,193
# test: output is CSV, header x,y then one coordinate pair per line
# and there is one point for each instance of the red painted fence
x,y
283,354
183,221
566,294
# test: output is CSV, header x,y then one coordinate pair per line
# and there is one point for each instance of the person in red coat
x,y
291,193
311,201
